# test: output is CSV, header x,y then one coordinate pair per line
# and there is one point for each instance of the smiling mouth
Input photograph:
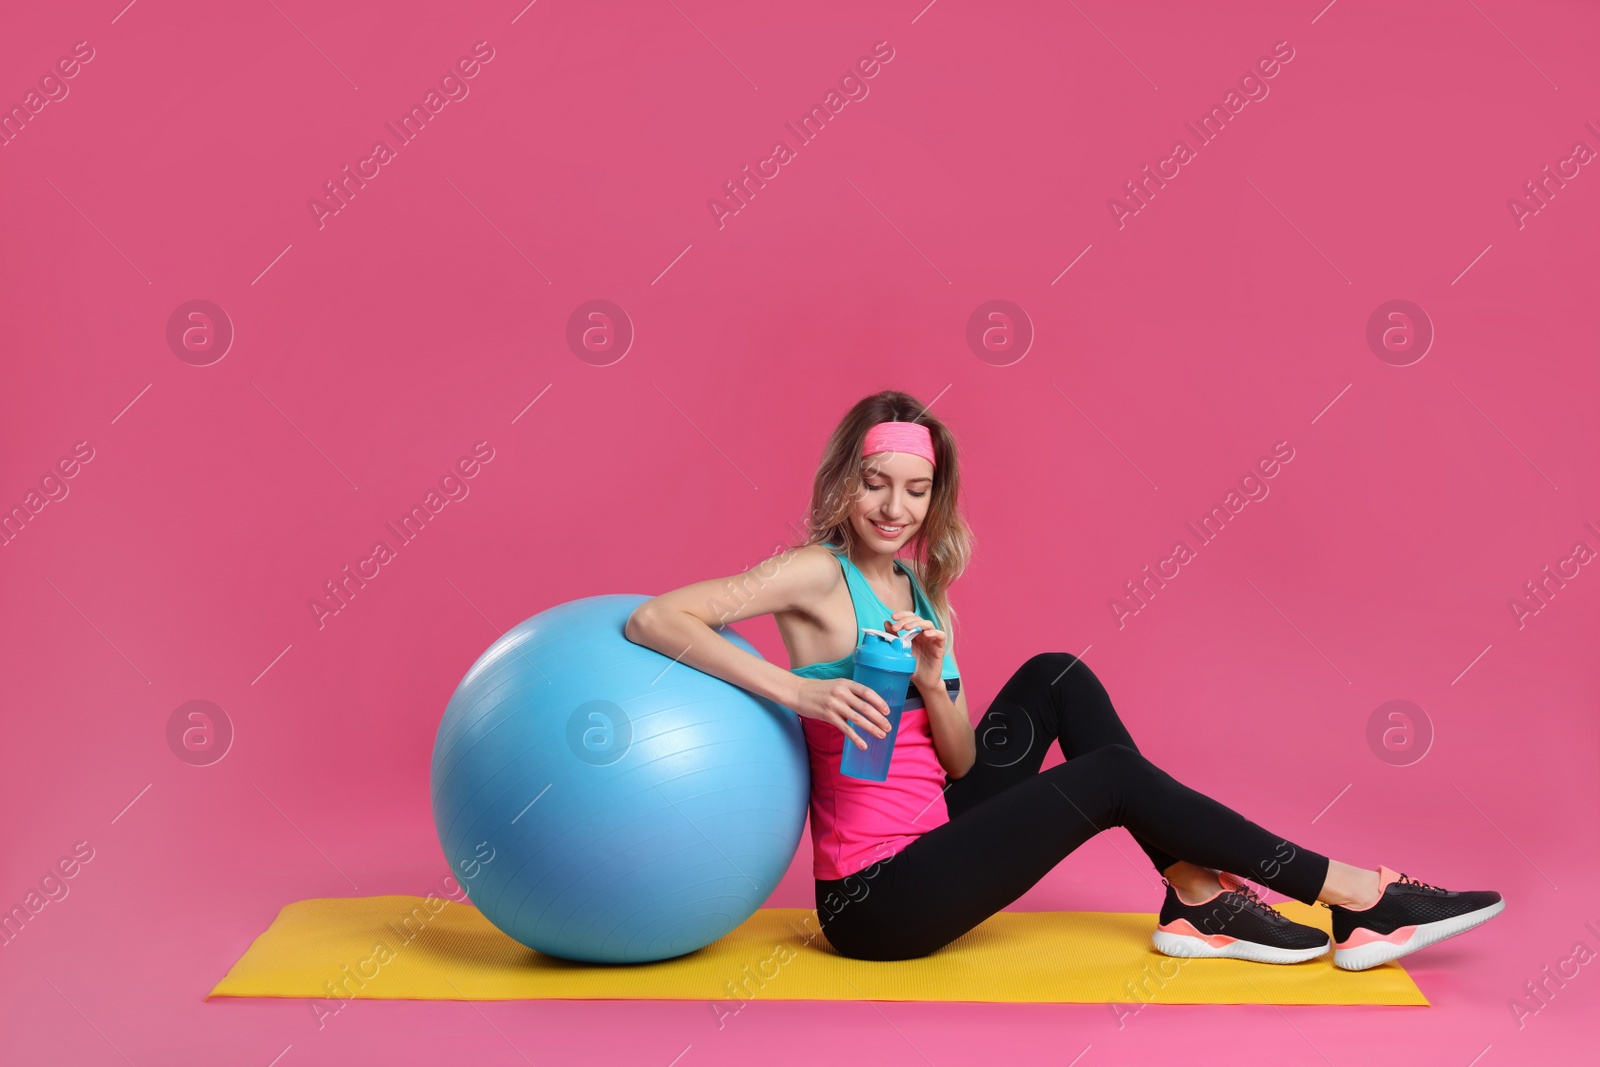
x,y
888,531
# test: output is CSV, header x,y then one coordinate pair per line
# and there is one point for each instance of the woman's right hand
x,y
844,703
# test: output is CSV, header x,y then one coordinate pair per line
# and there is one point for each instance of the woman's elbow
x,y
955,775
637,628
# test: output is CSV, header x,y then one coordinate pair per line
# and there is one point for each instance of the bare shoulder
x,y
814,569
915,567
795,580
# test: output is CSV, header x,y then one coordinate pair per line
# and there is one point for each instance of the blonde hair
x,y
942,546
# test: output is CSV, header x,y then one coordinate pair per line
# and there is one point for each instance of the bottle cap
x,y
886,651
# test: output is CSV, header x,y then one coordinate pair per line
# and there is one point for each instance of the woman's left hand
x,y
928,644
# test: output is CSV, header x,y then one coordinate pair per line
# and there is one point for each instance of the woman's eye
x,y
921,494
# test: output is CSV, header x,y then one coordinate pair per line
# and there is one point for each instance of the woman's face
x,y
894,500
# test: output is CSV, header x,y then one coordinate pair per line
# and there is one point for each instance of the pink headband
x,y
911,438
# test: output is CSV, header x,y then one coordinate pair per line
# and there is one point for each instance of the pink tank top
x,y
854,824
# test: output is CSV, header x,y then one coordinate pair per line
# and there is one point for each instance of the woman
x,y
966,822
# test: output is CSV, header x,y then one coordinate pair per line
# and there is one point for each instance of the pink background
x,y
427,315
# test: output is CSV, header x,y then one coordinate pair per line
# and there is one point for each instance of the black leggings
x,y
1010,823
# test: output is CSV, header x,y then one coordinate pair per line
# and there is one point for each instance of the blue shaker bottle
x,y
883,662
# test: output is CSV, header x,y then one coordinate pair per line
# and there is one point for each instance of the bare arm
x,y
954,738
681,624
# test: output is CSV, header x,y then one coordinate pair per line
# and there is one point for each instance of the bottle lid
x,y
889,652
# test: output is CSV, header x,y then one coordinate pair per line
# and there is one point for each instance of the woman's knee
x,y
1052,666
1063,674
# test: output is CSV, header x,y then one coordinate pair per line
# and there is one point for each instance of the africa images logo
x,y
852,84
453,87
1253,85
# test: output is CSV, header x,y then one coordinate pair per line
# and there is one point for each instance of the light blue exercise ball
x,y
600,802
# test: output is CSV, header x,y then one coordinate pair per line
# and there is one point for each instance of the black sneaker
x,y
1408,915
1234,923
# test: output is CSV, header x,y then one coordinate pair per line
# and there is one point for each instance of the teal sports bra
x,y
871,613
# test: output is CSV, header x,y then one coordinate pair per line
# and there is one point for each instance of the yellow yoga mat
x,y
404,947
